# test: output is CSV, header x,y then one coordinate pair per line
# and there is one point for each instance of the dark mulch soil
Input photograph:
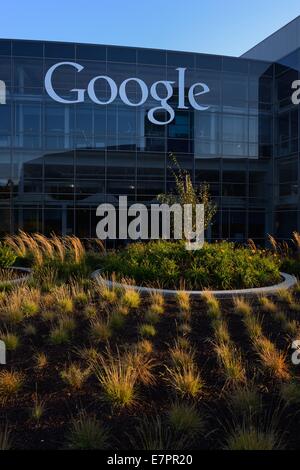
x,y
61,404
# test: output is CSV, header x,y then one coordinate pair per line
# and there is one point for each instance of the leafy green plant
x,y
216,266
7,256
187,193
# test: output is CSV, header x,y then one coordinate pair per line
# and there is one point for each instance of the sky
x,y
228,27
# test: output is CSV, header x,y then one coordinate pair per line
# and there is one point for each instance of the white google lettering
x,y
49,87
166,85
123,94
113,90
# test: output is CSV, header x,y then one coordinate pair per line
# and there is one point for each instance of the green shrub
x,y
59,335
216,266
291,266
7,256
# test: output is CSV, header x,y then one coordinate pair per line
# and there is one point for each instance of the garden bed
x,y
58,399
216,267
288,282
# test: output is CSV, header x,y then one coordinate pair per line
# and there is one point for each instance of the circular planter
x,y
19,280
287,283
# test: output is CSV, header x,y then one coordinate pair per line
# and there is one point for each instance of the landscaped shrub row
x,y
216,266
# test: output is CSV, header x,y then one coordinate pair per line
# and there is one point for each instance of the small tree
x,y
187,193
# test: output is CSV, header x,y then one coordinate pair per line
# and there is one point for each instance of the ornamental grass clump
x,y
185,380
38,409
117,378
146,330
20,303
151,433
5,437
131,298
290,392
183,300
250,437
245,400
253,326
100,330
11,382
59,335
267,305
182,356
241,306
221,332
74,376
11,340
184,419
230,360
86,432
41,360
142,364
152,317
213,305
116,321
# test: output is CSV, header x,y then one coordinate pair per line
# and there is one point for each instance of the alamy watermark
x,y
296,353
2,353
2,92
296,94
160,221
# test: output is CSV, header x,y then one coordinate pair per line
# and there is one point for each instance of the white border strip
x,y
20,279
288,282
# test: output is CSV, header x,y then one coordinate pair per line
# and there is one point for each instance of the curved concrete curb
x,y
20,279
288,282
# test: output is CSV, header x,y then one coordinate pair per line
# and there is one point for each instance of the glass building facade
x,y
59,161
